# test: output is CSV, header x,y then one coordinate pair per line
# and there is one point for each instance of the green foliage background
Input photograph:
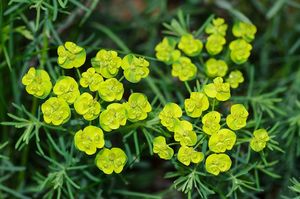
x,y
36,162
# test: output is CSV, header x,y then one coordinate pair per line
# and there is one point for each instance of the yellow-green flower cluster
x,y
216,39
259,140
186,155
184,134
218,89
87,106
235,78
66,88
196,104
70,55
184,69
211,122
217,163
113,117
221,141
166,52
237,117
189,45
161,148
137,107
244,30
111,90
91,79
216,68
169,116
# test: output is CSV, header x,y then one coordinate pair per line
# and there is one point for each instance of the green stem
x,y
187,86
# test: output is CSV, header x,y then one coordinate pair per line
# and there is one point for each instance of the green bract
x,y
110,90
87,106
56,111
107,63
37,83
214,44
237,117
235,78
184,69
113,117
162,149
218,89
217,27
91,79
137,107
259,140
239,51
165,51
169,116
211,122
66,88
189,45
216,68
135,68
186,155
244,30
70,55
183,133
196,104
89,139
222,141
111,160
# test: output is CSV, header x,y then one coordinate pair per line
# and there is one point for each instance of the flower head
x,y
67,89
56,111
113,117
235,78
211,122
87,106
259,140
70,55
217,27
37,83
189,45
183,133
218,89
135,68
240,51
186,155
137,107
91,79
161,148
222,141
216,163
111,160
237,117
107,63
244,30
216,68
89,139
110,90
184,69
196,104
214,44
165,51
169,116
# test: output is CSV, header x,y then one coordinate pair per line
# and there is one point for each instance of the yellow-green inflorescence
x,y
259,140
70,55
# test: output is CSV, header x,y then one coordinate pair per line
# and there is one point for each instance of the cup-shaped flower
x,y
211,122
70,55
237,117
214,44
137,107
240,51
218,89
184,69
111,160
169,116
162,149
135,68
216,68
110,90
56,111
222,141
107,63
91,79
37,83
196,104
87,106
89,139
113,117
165,51
217,27
235,78
189,45
183,133
217,163
186,155
66,88
244,30
259,140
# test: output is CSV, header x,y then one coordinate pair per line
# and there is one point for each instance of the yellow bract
x,y
218,89
235,78
211,122
91,79
113,117
110,90
170,115
217,27
66,88
111,160
222,141
165,51
259,140
70,55
89,139
214,44
216,68
244,30
183,133
196,104
216,163
37,83
189,45
237,117
137,107
135,68
184,69
186,155
107,63
240,51
161,148
56,111
87,106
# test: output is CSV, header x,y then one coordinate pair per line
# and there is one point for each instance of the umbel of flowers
x,y
204,115
97,97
